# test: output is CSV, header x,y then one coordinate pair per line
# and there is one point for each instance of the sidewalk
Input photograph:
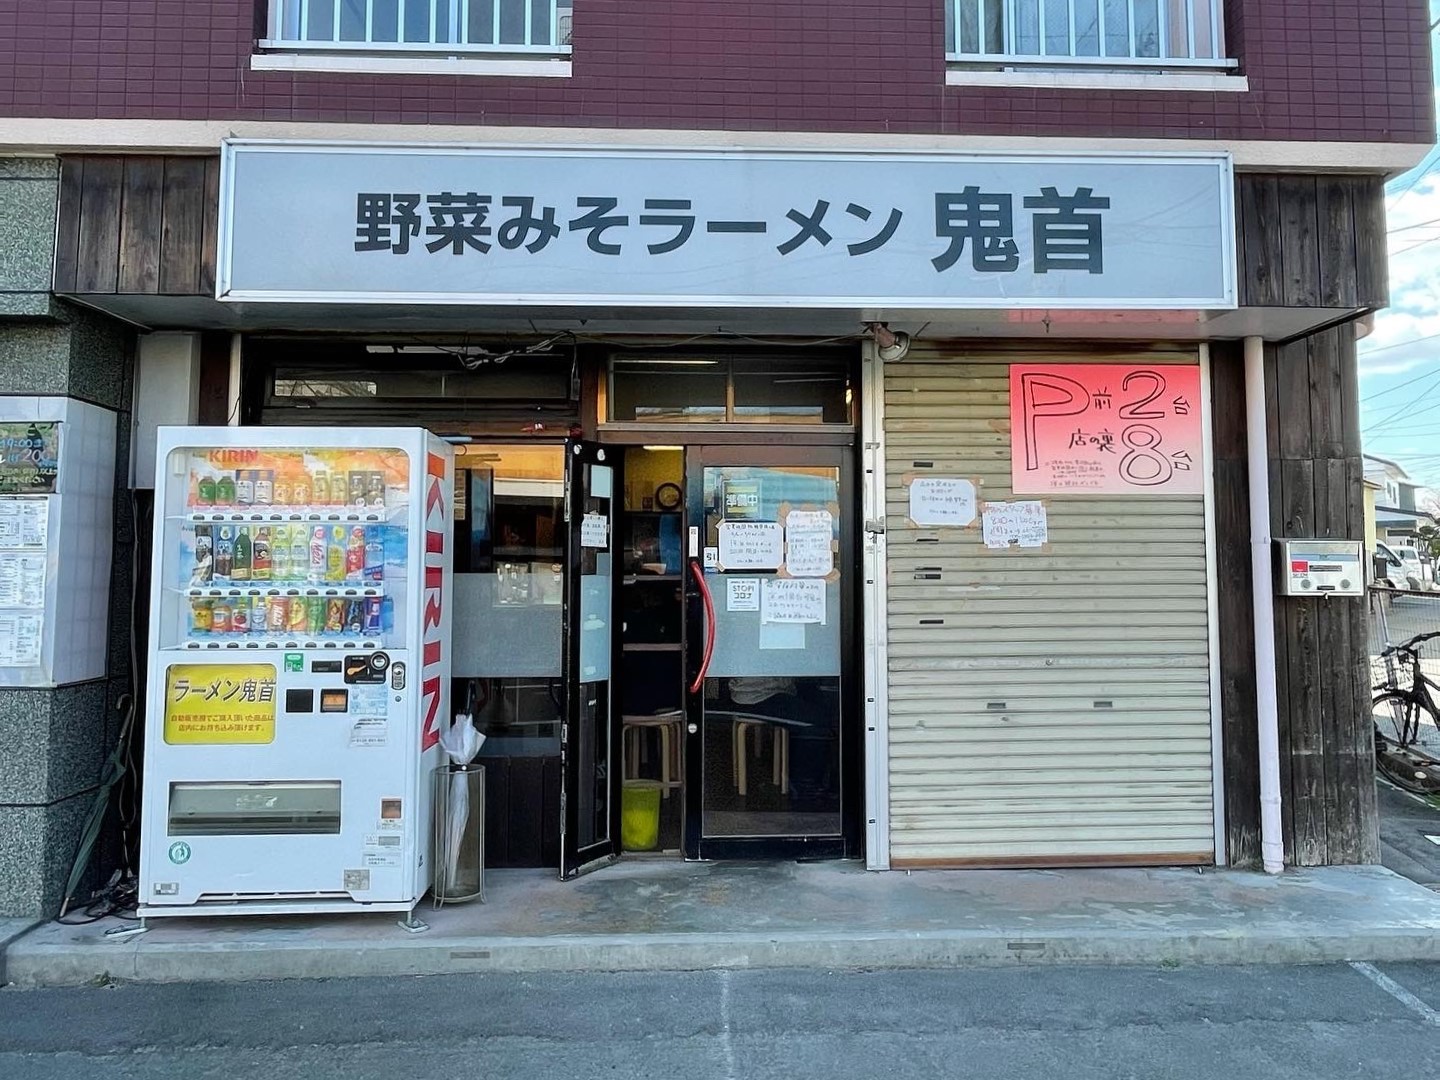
x,y
654,915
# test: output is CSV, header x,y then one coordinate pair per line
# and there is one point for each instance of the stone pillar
x,y
53,742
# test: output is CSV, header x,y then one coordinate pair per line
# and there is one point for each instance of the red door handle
x,y
708,601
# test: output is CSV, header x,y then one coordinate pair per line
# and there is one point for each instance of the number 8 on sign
x,y
1142,465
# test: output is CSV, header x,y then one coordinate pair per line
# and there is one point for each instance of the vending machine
x,y
299,669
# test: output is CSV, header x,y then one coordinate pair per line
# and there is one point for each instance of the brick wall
x,y
1319,69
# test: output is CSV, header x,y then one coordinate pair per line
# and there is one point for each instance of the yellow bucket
x,y
640,815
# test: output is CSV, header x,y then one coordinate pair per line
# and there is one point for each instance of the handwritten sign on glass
x,y
792,600
751,545
942,500
1108,429
595,531
808,536
1022,524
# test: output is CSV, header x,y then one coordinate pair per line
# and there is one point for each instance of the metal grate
x,y
425,26
1113,33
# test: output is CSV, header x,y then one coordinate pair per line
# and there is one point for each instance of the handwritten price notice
x,y
1106,429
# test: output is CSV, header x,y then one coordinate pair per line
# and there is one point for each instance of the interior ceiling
x,y
206,313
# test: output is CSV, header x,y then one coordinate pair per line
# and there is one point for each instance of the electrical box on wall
x,y
1314,567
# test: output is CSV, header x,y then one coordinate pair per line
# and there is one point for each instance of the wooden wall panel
x,y
1311,241
1316,477
137,225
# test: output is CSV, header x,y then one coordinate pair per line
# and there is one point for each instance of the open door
x,y
590,735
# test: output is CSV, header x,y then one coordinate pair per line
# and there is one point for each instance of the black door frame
x,y
849,843
575,860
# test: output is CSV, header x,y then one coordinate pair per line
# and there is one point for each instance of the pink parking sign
x,y
1106,429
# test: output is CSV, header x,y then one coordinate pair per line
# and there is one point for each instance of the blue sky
x,y
1400,361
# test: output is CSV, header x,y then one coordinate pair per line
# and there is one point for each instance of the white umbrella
x,y
461,742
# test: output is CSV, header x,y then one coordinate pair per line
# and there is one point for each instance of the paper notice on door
x,y
20,639
1021,524
751,545
22,581
942,500
808,535
370,731
742,594
792,600
595,531
23,522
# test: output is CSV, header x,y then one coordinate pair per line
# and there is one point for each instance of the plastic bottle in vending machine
x,y
335,556
240,561
319,488
205,490
299,552
259,616
355,555
319,545
244,487
203,570
264,487
374,554
224,553
225,489
280,553
300,489
260,555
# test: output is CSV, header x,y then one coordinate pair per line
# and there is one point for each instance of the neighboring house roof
x,y
1393,517
1384,467
1371,482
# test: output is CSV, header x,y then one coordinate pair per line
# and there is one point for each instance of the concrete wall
x,y
53,742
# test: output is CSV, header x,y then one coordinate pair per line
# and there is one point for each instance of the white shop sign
x,y
357,223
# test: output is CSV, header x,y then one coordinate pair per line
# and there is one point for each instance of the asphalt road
x,y
1073,1023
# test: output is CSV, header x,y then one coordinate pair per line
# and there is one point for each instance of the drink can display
x,y
370,626
316,608
205,491
319,546
244,487
264,487
259,615
354,617
335,616
203,572
375,553
335,554
319,488
240,616
279,614
297,620
202,616
220,620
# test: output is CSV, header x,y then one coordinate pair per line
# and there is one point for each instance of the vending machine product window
x,y
286,547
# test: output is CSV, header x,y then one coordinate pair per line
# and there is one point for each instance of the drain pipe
x,y
1267,712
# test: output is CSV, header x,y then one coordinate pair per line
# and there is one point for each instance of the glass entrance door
x,y
768,543
590,736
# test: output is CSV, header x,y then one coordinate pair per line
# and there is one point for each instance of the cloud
x,y
1407,333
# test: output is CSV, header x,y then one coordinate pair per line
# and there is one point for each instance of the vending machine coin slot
x,y
367,669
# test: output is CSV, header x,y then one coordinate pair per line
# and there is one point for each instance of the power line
x,y
1397,386
1420,175
1399,345
1417,225
1408,407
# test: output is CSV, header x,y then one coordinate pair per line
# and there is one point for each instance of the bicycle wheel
x,y
1397,716
1397,719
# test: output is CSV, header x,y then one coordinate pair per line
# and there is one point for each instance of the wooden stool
x,y
667,726
780,745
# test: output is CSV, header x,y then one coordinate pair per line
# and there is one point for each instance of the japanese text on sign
x,y
751,545
731,227
792,600
1107,429
809,536
219,703
1021,524
942,500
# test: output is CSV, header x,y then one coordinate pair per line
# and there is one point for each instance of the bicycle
x,y
1397,713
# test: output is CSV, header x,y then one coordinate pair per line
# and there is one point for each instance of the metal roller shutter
x,y
1044,707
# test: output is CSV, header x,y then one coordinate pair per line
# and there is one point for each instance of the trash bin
x,y
458,850
640,815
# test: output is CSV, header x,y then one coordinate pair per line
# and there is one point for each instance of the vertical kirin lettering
x,y
436,530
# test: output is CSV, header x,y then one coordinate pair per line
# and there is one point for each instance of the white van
x,y
1406,570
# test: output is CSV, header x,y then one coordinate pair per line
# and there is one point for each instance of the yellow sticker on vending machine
x,y
210,704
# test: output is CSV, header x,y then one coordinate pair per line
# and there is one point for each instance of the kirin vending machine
x,y
299,669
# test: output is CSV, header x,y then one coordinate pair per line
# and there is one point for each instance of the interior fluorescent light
x,y
662,447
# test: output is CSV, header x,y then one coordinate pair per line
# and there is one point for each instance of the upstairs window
x,y
1141,35
425,28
